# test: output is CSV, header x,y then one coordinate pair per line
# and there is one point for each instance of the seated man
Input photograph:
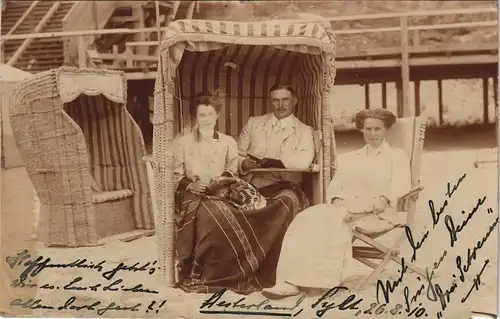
x,y
277,139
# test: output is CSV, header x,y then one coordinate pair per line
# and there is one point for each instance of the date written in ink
x,y
355,304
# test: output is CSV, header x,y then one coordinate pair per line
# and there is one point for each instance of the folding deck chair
x,y
407,134
480,160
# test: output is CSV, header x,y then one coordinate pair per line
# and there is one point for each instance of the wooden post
x,y
114,49
367,96
399,98
138,13
190,10
2,155
142,23
405,67
495,96
495,91
82,52
143,116
384,95
129,62
417,97
415,38
175,9
485,101
96,15
440,101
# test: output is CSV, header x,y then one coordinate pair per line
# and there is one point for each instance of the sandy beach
x,y
455,235
443,161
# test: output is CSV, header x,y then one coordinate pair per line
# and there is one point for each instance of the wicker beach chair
x,y
245,60
83,152
407,134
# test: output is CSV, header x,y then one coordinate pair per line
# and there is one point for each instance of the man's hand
x,y
380,204
337,201
249,164
227,173
197,187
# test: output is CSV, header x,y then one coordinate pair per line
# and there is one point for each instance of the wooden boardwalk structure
x,y
416,62
412,60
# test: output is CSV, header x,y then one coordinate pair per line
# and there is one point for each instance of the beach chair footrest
x,y
102,197
114,212
367,252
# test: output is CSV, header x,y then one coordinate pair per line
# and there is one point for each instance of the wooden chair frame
x,y
479,160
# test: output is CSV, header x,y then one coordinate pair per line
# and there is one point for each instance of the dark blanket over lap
x,y
219,246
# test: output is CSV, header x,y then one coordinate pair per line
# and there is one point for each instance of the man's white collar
x,y
289,120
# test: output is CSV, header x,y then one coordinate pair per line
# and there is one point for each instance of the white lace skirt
x,y
315,248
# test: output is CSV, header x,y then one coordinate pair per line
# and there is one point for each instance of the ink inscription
x,y
428,289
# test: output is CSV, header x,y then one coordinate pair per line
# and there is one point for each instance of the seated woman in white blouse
x,y
227,234
363,193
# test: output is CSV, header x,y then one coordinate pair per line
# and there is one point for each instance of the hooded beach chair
x,y
83,152
244,60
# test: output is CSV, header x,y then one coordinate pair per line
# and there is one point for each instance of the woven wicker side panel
x,y
163,135
327,104
55,156
164,226
36,87
115,149
329,151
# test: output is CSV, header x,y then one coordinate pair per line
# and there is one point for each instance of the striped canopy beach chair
x,y
244,60
83,153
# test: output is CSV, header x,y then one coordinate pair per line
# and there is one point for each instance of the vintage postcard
x,y
249,159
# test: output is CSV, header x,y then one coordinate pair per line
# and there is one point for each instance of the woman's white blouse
x,y
383,172
207,158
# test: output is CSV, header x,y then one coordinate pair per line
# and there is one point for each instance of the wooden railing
x,y
21,20
371,52
48,15
408,53
402,56
401,15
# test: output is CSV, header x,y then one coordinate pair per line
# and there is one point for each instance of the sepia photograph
x,y
249,159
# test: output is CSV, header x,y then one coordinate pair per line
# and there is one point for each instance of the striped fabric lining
x,y
246,73
251,29
115,151
295,35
